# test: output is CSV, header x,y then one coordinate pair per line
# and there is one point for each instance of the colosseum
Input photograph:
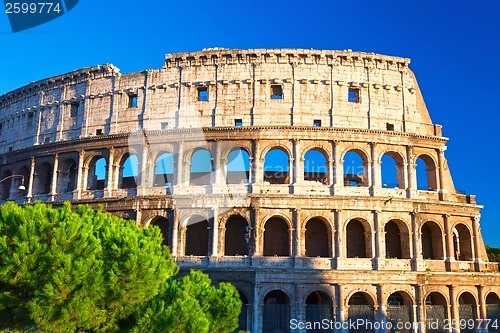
x,y
313,180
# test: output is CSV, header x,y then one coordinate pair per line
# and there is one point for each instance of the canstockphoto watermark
x,y
26,14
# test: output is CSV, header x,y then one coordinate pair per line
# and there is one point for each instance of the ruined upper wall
x,y
316,87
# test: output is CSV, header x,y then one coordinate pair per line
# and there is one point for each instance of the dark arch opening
x,y
68,176
399,309
236,238
319,307
276,167
316,241
392,240
6,184
238,167
467,311
462,242
276,237
436,312
197,236
245,308
493,311
361,309
43,178
162,223
164,170
276,312
357,240
315,166
98,173
432,241
426,173
129,171
201,168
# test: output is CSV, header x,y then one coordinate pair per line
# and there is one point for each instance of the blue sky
x,y
453,45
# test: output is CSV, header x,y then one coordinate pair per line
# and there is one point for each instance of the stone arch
x,y
277,166
492,302
361,306
6,184
164,224
358,239
316,166
436,311
42,182
426,172
238,166
462,242
400,309
197,235
319,306
163,169
201,167
68,174
467,309
432,241
236,236
97,175
276,237
276,312
246,306
317,238
392,170
397,240
355,167
129,175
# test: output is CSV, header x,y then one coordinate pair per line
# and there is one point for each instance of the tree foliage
x,y
64,271
493,253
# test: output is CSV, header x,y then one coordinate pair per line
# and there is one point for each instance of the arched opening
x,y
276,167
317,244
67,177
436,313
236,237
276,237
432,241
6,184
397,240
467,311
319,307
361,310
276,312
355,169
493,312
238,167
162,223
129,171
43,178
392,170
245,308
358,239
98,173
197,236
164,170
462,243
399,309
315,167
201,168
426,173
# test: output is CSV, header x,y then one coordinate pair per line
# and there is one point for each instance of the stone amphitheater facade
x,y
304,232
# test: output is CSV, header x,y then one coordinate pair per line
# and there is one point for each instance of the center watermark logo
x,y
28,14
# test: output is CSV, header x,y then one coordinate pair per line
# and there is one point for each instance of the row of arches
x,y
318,238
236,166
363,311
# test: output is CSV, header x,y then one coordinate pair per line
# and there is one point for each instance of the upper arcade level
x,y
220,88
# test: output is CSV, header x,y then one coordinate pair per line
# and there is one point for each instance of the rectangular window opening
x,y
98,131
203,94
390,127
353,95
164,126
30,119
238,122
317,123
132,100
276,91
46,139
74,109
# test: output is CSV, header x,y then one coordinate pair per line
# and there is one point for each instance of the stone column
x,y
338,181
455,316
257,234
483,313
412,179
80,182
53,185
440,173
416,248
449,256
342,306
420,305
179,166
175,233
375,169
298,163
144,171
296,234
340,241
379,236
293,165
29,196
217,182
382,308
476,245
257,166
214,236
110,186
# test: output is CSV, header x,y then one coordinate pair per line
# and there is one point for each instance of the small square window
x,y
74,109
98,131
46,139
276,91
238,122
202,94
353,95
10,148
132,100
317,123
390,127
164,126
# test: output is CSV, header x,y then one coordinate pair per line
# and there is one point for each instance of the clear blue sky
x,y
454,47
